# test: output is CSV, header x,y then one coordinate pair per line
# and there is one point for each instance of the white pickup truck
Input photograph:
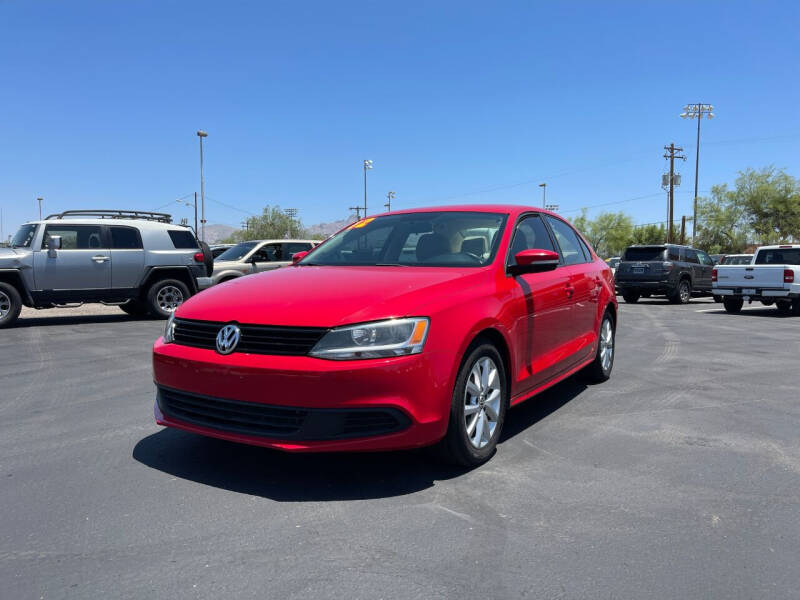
x,y
772,278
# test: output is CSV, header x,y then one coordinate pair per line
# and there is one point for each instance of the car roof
x,y
140,223
489,208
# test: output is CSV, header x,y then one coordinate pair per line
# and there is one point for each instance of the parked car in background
x,y
773,277
255,256
717,258
737,259
677,272
613,263
217,249
140,261
403,330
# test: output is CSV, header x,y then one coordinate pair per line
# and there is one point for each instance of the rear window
x,y
645,253
737,260
125,238
182,238
779,256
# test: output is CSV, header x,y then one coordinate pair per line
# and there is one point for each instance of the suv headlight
x,y
379,339
169,330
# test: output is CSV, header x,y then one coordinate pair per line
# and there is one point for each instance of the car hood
x,y
311,296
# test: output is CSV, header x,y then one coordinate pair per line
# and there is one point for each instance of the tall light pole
x,y
389,198
201,134
292,214
544,194
697,111
367,167
40,207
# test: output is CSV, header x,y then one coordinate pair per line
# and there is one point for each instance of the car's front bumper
x,y
332,394
204,283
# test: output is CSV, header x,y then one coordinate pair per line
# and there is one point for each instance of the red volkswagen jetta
x,y
403,330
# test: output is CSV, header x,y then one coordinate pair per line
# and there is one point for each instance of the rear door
x,y
541,307
127,257
706,267
585,284
82,263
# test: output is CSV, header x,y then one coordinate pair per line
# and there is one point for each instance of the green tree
x,y
272,223
722,222
771,201
608,233
651,233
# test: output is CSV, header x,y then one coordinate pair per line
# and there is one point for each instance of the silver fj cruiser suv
x,y
137,260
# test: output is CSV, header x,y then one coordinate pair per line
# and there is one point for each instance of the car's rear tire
x,y
784,307
682,293
796,307
630,297
10,305
733,305
478,408
717,298
600,369
135,308
165,296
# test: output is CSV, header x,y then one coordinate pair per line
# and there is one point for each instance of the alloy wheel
x,y
169,298
685,292
5,304
606,345
482,397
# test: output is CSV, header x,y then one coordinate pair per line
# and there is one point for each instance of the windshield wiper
x,y
390,265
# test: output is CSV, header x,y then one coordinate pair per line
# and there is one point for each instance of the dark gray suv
x,y
677,272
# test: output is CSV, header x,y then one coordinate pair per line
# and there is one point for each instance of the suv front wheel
x,y
10,305
165,296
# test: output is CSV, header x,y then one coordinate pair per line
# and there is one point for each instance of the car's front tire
x,y
478,408
600,369
630,297
10,305
135,308
165,296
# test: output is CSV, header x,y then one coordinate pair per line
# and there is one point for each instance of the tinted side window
x,y
294,248
182,238
531,233
672,254
75,237
691,256
125,238
587,254
568,241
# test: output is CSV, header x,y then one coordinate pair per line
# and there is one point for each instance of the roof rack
x,y
114,214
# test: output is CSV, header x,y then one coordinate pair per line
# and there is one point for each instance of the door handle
x,y
100,258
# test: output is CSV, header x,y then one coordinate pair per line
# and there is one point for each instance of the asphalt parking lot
x,y
679,478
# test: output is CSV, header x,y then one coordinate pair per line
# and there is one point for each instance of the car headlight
x,y
169,330
379,339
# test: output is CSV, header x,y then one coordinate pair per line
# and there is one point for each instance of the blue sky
x,y
455,102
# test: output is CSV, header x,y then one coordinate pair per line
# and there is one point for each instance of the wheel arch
x,y
498,340
182,274
14,278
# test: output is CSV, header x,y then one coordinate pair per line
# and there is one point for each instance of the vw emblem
x,y
228,339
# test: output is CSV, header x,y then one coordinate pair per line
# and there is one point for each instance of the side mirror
x,y
53,244
534,260
298,256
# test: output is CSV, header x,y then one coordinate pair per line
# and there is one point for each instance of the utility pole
x,y
544,194
683,230
673,152
195,213
358,212
389,198
40,207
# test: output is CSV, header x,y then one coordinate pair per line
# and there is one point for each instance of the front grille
x,y
279,422
254,339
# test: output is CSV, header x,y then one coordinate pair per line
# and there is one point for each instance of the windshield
x,y
431,239
23,237
778,256
237,252
645,253
744,259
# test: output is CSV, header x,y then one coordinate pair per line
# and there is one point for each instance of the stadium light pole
x,y
389,198
367,167
202,134
292,214
697,111
544,194
40,200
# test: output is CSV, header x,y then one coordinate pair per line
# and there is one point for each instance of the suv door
x,y
82,263
706,267
541,308
585,284
268,257
694,266
127,257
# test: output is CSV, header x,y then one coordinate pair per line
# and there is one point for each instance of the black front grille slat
x,y
279,422
254,339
